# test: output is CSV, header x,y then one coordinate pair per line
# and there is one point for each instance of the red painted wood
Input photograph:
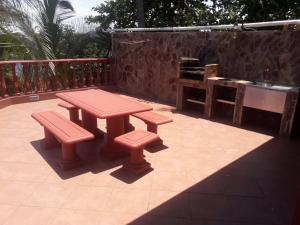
x,y
83,79
47,77
98,79
67,105
15,80
66,80
135,141
2,82
91,78
44,85
26,85
37,80
65,130
57,82
153,118
103,104
75,80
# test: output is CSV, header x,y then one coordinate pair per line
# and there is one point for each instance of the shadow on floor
x,y
257,189
128,177
154,149
89,152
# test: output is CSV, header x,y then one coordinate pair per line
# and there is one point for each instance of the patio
x,y
224,175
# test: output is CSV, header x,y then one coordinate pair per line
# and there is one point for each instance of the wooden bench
x,y
135,141
153,120
59,129
73,111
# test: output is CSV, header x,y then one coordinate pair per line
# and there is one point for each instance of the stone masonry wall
x,y
146,63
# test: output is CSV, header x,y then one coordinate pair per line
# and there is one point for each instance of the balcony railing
x,y
37,76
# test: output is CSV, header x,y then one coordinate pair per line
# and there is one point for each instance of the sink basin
x,y
283,88
274,87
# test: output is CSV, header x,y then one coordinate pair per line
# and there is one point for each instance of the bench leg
x,y
137,163
49,141
70,158
153,128
128,126
74,116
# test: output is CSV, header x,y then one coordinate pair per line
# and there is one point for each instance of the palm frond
x,y
66,5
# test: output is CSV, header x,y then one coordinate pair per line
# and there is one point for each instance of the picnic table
x,y
105,105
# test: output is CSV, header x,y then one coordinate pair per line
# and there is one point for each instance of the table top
x,y
103,104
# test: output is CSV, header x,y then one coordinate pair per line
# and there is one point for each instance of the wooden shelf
x,y
195,101
225,101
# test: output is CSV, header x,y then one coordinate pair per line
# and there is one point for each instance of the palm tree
x,y
48,16
51,13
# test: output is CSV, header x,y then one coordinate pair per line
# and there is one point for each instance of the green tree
x,y
168,13
84,45
123,13
230,11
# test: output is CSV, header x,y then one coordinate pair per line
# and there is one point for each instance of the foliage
x,y
48,14
123,13
80,45
158,13
11,48
230,11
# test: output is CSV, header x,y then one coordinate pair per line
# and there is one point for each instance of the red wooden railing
x,y
37,76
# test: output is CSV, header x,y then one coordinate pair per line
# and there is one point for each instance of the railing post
x,y
15,80
56,77
26,78
91,78
66,79
2,82
37,81
75,80
83,75
47,77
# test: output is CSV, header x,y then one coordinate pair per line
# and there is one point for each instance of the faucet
x,y
266,78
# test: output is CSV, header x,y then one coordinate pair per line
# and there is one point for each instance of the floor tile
x,y
31,216
15,192
75,217
88,198
5,212
49,195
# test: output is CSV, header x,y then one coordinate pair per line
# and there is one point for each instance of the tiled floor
x,y
207,173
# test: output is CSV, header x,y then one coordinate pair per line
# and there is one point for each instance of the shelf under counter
x,y
196,101
226,101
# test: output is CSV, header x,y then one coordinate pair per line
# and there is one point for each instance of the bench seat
x,y
135,141
153,120
59,129
73,111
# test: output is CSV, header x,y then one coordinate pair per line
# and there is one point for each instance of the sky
x,y
83,7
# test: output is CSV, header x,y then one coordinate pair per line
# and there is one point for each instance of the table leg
x,y
128,126
115,128
89,122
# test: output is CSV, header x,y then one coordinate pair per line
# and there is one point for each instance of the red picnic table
x,y
105,105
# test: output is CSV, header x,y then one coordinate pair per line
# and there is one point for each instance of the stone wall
x,y
146,63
